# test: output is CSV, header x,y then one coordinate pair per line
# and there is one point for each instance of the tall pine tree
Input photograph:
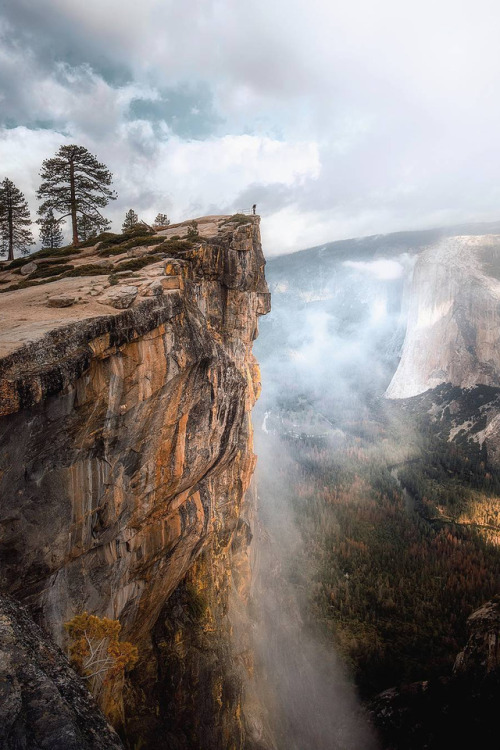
x,y
15,221
75,184
51,235
131,219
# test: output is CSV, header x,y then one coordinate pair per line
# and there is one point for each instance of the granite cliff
x,y
43,703
126,384
453,323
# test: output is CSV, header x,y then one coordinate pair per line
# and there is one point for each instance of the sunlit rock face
x,y
453,331
126,441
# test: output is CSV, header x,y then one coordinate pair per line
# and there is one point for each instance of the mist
x,y
335,339
308,693
327,352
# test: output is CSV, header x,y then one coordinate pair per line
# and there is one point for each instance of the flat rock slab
x,y
120,297
27,317
61,300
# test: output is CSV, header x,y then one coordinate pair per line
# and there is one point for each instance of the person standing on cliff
x,y
254,208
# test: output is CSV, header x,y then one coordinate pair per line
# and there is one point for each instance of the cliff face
x,y
42,701
126,440
454,318
481,656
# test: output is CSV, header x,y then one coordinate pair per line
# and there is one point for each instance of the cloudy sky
x,y
338,119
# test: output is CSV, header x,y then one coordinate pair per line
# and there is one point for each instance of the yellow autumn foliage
x,y
95,651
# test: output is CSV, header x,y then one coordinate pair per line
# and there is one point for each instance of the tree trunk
x,y
11,233
73,203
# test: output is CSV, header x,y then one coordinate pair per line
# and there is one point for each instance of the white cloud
x,y
181,177
361,118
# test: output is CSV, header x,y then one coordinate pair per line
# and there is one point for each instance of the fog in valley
x,y
308,693
361,524
327,352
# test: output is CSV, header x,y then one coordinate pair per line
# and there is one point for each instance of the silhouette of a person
x,y
254,208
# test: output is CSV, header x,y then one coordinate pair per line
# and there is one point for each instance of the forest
x,y
400,541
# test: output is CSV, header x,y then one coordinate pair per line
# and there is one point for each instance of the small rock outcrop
x,y
481,655
61,300
28,268
43,703
120,297
458,710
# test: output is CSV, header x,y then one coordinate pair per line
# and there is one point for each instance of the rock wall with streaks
x,y
126,451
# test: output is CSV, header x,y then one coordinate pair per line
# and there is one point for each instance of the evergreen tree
x,y
131,219
50,230
192,232
89,227
15,220
75,184
161,220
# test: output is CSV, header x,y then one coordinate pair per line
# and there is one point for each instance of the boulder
x,y
61,300
120,297
28,268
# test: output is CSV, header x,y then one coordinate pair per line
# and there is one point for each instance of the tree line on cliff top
x,y
76,187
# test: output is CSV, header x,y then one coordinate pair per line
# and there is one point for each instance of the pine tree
x,y
15,220
161,220
51,235
131,219
75,184
192,232
89,227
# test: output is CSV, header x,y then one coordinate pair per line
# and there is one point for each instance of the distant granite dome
x,y
453,330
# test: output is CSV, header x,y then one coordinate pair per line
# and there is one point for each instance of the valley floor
x,y
397,534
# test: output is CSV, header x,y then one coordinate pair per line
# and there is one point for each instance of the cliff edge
x,y
126,384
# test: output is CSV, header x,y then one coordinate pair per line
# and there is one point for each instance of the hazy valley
x,y
393,496
323,602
